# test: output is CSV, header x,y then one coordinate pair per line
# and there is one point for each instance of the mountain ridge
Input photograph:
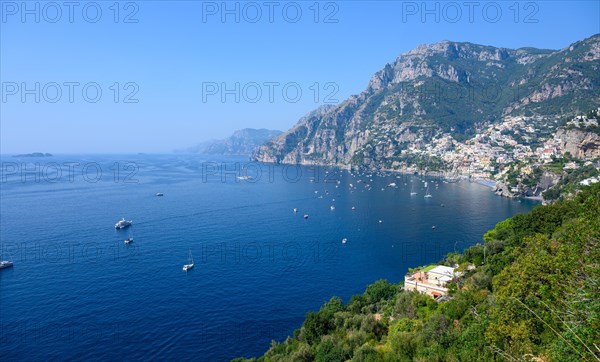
x,y
242,142
446,87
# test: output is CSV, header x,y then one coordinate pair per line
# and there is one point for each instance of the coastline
x,y
486,182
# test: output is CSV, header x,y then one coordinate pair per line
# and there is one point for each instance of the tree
x,y
380,290
328,351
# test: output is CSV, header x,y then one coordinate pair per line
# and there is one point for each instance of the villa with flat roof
x,y
432,281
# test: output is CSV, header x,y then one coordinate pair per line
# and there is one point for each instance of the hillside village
x,y
517,153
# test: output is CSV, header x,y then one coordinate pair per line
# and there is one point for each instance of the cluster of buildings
x,y
493,150
518,146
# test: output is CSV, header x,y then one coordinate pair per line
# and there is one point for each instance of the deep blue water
x,y
77,292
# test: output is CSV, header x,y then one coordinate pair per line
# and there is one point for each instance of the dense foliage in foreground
x,y
534,296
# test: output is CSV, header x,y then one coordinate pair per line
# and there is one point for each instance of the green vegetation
x,y
533,296
516,176
420,161
570,182
582,125
534,178
429,267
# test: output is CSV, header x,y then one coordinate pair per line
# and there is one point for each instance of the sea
x,y
78,292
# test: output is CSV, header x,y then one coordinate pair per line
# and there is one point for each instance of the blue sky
x,y
179,58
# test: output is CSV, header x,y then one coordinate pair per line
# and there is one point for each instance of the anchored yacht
x,y
5,264
122,224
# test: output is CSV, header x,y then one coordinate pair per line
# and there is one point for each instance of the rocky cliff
x,y
547,181
579,143
447,87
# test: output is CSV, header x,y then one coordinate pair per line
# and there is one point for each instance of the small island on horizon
x,y
34,154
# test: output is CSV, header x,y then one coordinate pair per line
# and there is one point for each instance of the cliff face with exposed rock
x,y
579,143
547,181
447,87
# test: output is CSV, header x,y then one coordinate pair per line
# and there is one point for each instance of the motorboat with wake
x,y
190,263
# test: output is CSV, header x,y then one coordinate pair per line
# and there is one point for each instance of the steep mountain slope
x,y
242,142
447,87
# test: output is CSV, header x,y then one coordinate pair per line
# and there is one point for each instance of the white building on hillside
x,y
432,282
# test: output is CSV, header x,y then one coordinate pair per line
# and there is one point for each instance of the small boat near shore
x,y
6,264
427,194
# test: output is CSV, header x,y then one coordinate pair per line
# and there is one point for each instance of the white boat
x,y
121,224
412,191
244,177
6,264
332,207
344,241
295,209
129,240
427,194
393,184
190,263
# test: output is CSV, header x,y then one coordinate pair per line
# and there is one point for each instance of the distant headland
x,y
34,154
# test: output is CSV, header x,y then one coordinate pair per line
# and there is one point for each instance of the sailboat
x,y
427,194
413,192
190,263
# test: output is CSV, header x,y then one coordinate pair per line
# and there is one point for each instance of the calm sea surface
x,y
77,292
